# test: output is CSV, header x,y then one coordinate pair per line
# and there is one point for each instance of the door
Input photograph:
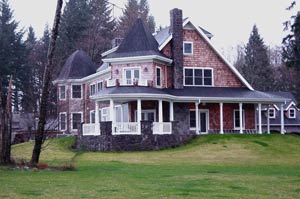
x,y
203,123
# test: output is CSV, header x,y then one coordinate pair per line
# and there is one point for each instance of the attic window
x,y
292,113
272,113
187,48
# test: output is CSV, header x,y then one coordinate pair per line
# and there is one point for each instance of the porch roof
x,y
216,94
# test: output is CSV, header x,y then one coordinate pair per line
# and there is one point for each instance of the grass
x,y
213,166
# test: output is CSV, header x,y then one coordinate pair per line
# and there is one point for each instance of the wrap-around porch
x,y
201,117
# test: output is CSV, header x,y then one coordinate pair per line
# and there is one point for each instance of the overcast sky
x,y
230,21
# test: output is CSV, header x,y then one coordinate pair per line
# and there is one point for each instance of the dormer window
x,y
187,48
198,76
272,113
292,113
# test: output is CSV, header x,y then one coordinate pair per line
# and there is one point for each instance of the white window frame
x,y
92,112
274,113
192,47
72,91
145,111
59,92
207,119
63,113
71,123
292,109
156,68
200,68
98,86
124,79
91,94
234,124
104,115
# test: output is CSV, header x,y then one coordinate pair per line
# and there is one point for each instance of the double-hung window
x,y
62,121
236,117
99,86
187,48
158,77
198,77
292,113
131,76
92,89
62,92
76,91
76,120
92,117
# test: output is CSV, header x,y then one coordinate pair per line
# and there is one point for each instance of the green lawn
x,y
213,166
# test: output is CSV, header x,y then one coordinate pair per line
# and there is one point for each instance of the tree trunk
x,y
46,87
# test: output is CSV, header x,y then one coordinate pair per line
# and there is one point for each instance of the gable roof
x,y
138,42
77,66
287,95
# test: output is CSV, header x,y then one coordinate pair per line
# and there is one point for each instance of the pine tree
x,y
257,69
74,24
133,10
12,51
100,29
291,49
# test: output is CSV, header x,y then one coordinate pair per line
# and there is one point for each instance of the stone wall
x,y
147,141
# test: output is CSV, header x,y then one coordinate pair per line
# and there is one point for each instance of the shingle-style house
x,y
291,114
157,91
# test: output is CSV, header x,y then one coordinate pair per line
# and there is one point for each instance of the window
x,y
131,76
76,120
76,91
187,48
105,114
62,121
92,89
198,77
147,115
192,119
92,117
158,76
292,113
99,86
272,113
62,92
236,118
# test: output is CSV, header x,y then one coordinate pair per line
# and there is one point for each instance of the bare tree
x,y
48,72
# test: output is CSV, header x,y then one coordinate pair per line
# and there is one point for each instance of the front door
x,y
203,123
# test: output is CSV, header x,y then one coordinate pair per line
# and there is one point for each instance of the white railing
x,y
162,128
90,129
129,128
131,82
143,82
110,83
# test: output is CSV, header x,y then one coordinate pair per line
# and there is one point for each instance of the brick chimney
x,y
177,47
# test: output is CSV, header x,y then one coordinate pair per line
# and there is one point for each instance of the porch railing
x,y
127,82
162,128
126,128
90,129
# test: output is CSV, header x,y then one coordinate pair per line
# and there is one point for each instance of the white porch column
x,y
241,117
97,112
221,118
112,114
282,131
160,111
259,119
171,111
268,120
197,117
139,113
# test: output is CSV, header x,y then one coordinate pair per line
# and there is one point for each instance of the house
x,y
156,91
291,114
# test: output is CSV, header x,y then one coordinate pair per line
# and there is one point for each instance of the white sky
x,y
230,21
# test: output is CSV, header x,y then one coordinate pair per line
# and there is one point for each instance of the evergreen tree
x,y
291,49
12,52
100,29
74,24
257,69
133,10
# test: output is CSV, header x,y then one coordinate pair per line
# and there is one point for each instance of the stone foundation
x,y
147,141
